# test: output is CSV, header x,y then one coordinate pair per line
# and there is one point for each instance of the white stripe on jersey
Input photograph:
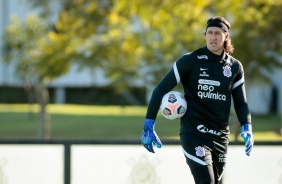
x,y
176,73
219,178
241,81
194,158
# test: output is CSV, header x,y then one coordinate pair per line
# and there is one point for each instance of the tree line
x,y
134,40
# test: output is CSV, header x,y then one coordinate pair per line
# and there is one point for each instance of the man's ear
x,y
227,36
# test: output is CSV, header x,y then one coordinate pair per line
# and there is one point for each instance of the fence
x,y
125,161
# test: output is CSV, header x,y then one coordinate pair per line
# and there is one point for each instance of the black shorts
x,y
205,157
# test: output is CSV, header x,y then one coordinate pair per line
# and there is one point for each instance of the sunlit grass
x,y
267,136
77,109
21,121
261,136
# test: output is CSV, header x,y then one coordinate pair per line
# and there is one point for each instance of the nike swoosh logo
x,y
202,69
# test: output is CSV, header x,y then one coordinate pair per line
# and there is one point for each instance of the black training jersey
x,y
209,81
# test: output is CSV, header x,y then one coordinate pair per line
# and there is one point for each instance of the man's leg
x,y
204,175
199,160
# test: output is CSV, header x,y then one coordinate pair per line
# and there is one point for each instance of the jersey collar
x,y
223,58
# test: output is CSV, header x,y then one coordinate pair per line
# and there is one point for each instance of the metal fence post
x,y
67,163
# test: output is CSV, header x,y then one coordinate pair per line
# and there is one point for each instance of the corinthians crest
x,y
200,151
144,171
227,71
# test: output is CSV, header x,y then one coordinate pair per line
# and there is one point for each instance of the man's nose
x,y
213,36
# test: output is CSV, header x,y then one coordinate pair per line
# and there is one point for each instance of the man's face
x,y
215,38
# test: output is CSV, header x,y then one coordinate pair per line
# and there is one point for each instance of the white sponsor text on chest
x,y
209,82
206,90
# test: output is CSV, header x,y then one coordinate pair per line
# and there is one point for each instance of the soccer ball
x,y
173,105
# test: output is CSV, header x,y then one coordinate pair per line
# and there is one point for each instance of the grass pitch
x,y
21,121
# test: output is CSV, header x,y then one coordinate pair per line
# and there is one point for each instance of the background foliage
x,y
134,40
140,39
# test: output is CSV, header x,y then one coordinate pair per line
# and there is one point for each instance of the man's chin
x,y
215,50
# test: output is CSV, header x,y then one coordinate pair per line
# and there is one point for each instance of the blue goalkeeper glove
x,y
149,136
247,135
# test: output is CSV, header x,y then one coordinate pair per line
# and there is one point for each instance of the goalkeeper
x,y
210,77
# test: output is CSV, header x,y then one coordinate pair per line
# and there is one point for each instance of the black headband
x,y
217,23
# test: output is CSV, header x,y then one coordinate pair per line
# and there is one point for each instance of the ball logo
x,y
172,98
167,112
227,71
173,105
181,110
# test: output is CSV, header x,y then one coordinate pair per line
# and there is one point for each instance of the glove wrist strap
x,y
246,127
149,124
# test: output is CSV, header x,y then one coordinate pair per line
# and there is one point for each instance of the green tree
x,y
122,36
132,40
256,34
39,56
137,40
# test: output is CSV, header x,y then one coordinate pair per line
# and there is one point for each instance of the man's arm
x,y
244,116
240,104
166,84
170,80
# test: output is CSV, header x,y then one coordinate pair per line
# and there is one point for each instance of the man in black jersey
x,y
210,76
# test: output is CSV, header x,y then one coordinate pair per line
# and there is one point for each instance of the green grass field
x,y
106,122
